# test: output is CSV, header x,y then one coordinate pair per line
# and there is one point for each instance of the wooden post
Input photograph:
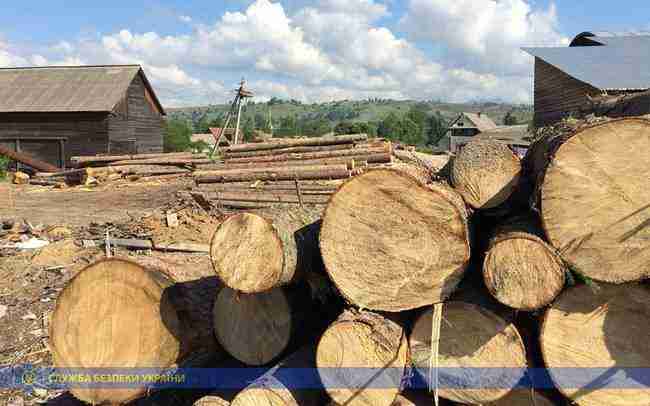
x,y
62,154
18,163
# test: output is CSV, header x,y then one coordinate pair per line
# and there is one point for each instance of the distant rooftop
x,y
481,121
604,60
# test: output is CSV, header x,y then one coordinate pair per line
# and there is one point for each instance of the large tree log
x,y
295,173
470,339
299,142
280,386
353,152
115,314
520,270
391,243
590,330
485,173
624,105
27,160
361,359
251,253
524,397
594,197
256,328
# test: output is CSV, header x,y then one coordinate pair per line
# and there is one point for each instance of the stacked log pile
x,y
466,284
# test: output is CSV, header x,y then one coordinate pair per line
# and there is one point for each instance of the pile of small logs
x,y
460,279
288,171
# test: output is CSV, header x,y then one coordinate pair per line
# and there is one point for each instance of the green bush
x,y
178,136
4,164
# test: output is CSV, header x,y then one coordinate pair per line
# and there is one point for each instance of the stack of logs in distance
x,y
106,168
460,279
288,171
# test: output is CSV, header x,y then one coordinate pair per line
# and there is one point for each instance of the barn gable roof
x,y
481,121
68,88
605,61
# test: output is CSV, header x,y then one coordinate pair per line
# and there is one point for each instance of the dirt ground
x,y
31,280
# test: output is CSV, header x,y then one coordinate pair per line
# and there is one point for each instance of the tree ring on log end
x,y
114,314
390,243
254,328
247,253
590,330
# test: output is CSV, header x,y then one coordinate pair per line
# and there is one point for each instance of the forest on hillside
x,y
421,123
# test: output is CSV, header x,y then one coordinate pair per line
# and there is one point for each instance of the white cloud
x,y
485,34
185,19
330,50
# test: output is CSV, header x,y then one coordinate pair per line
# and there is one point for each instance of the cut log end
x,y
470,337
522,271
369,342
114,314
485,173
247,253
253,328
264,397
594,329
594,200
390,243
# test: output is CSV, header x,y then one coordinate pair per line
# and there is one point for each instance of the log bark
x,y
115,313
162,161
520,270
591,330
523,397
361,359
267,197
331,172
471,338
315,141
485,173
351,163
625,105
27,160
352,153
257,328
287,167
391,243
593,188
277,387
144,170
281,151
103,159
251,253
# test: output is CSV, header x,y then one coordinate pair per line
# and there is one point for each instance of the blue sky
x,y
195,50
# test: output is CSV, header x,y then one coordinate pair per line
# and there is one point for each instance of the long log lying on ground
x,y
114,314
262,168
266,197
520,270
295,173
162,161
282,384
482,356
27,160
391,243
311,162
593,197
589,334
361,359
282,151
256,328
102,159
485,173
316,141
146,170
251,253
353,152
270,189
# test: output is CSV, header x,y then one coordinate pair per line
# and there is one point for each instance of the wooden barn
x,y
54,113
464,128
567,78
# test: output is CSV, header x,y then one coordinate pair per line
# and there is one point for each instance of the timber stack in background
x,y
469,272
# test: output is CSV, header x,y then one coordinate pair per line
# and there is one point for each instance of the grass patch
x,y
4,164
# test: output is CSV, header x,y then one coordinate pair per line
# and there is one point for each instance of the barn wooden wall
x,y
557,94
138,120
85,133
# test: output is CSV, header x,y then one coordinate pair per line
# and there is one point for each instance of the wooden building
x,y
54,113
592,65
464,128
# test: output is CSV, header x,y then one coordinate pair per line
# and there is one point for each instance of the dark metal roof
x,y
611,62
67,89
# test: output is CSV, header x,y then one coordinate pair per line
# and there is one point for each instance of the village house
x,y
470,126
54,113
594,64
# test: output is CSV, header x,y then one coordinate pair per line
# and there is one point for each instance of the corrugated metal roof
x,y
65,89
620,63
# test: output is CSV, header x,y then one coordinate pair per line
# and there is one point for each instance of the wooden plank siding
x,y
557,95
140,122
